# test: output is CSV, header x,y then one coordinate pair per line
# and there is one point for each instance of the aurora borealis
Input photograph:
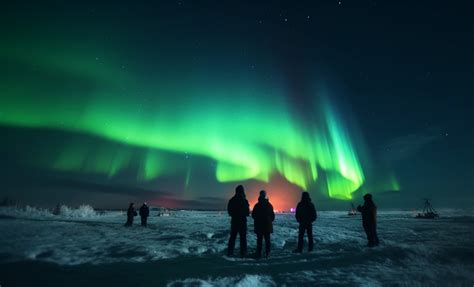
x,y
162,98
223,122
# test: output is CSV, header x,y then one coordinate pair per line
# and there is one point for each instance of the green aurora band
x,y
245,124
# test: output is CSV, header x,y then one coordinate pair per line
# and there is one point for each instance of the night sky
x,y
177,102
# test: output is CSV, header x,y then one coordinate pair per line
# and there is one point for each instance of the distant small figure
x,y
263,216
144,213
131,213
305,215
238,209
369,220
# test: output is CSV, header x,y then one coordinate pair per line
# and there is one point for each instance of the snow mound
x,y
83,211
244,281
63,212
30,211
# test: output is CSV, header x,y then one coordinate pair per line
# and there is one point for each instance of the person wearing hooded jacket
x,y
369,220
305,215
131,213
238,209
144,213
263,216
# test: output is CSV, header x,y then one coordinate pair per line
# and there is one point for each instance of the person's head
x,y
263,195
368,197
144,203
305,197
131,204
239,190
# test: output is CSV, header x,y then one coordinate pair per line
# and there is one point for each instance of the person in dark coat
x,y
263,217
238,209
369,220
144,213
131,213
305,215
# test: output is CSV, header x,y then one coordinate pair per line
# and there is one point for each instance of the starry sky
x,y
177,102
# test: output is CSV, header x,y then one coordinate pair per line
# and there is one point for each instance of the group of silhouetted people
x,y
144,212
263,216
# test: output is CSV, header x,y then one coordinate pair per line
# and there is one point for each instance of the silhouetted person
x,y
263,217
131,213
238,209
369,220
144,213
305,215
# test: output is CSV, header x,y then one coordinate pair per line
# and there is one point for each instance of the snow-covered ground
x,y
84,247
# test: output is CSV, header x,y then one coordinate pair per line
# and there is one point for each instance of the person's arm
x,y
229,208
248,208
360,209
374,214
314,213
254,211
298,213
